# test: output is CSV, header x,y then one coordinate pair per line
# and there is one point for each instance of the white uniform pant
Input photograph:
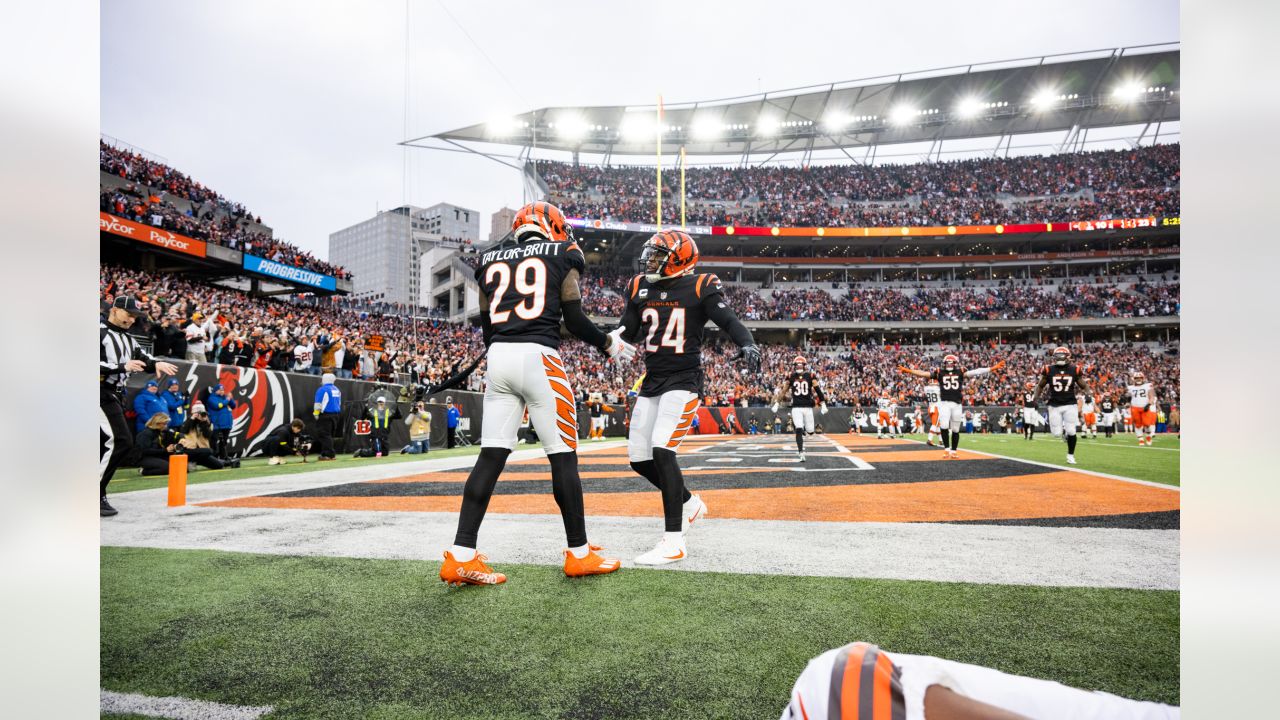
x,y
1030,417
529,375
802,418
660,422
598,423
950,415
1063,418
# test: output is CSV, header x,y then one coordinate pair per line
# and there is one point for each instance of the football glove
x,y
904,369
774,407
619,350
823,409
751,356
997,366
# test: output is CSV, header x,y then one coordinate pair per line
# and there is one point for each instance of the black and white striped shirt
x,y
116,348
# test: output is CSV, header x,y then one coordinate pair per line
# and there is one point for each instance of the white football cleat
x,y
694,510
801,457
1071,459
663,553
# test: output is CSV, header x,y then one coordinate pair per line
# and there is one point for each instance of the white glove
x,y
619,350
823,409
775,407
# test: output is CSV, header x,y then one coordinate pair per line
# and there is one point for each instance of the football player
x,y
1029,414
1089,412
862,682
1142,408
884,415
1065,381
932,395
950,377
803,387
668,305
857,421
1108,419
526,289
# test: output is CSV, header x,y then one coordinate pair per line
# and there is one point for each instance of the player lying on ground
x,y
862,682
950,406
1065,381
671,305
803,387
525,290
1142,408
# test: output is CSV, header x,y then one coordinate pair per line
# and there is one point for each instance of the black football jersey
x,y
596,409
1062,382
950,382
1029,400
1108,406
672,319
803,387
523,284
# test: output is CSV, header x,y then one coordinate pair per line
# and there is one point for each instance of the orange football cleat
x,y
592,564
472,572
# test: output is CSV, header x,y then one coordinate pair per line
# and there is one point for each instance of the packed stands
x,y
149,198
266,333
1097,185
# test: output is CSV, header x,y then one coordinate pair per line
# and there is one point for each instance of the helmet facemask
x,y
653,261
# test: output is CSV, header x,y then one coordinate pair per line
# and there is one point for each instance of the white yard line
x,y
177,708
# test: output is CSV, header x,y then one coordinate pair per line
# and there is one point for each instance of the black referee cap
x,y
128,304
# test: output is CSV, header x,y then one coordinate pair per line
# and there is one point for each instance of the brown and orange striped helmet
x,y
668,254
544,220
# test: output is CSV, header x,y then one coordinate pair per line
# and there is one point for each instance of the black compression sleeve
x,y
580,325
458,379
630,323
727,320
486,327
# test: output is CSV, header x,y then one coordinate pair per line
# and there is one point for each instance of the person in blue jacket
x,y
327,411
451,422
220,404
175,402
147,403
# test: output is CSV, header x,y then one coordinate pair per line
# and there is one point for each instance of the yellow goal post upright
x,y
658,145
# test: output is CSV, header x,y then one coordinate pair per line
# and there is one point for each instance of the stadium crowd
x,y
1105,184
148,199
197,321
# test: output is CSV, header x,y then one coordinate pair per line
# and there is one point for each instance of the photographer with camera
x,y
196,440
419,422
155,444
284,441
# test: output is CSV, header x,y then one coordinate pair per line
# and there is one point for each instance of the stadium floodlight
x,y
902,115
1044,99
1127,92
706,129
767,126
503,127
835,121
969,107
637,129
571,127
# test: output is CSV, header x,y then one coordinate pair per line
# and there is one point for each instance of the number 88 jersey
x,y
523,286
672,318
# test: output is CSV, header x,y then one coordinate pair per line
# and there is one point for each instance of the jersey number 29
x,y
531,285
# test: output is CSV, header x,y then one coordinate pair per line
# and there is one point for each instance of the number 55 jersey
x,y
672,315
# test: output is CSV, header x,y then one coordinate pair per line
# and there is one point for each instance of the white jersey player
x,y
932,395
1142,409
1089,415
857,421
885,410
862,682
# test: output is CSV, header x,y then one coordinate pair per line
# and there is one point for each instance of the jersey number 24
x,y
672,337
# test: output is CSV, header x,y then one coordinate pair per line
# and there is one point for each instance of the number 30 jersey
x,y
672,315
1062,381
523,283
803,387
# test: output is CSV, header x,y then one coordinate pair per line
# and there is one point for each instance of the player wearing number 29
x,y
951,403
669,304
526,289
1065,381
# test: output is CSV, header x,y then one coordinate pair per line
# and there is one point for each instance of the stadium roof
x,y
1070,93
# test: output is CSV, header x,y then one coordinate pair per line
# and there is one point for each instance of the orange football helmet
x,y
799,363
544,220
668,254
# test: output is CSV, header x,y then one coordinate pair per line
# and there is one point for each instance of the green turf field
x,y
127,479
1117,456
343,638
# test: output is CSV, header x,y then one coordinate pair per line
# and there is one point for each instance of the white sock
x,y
674,538
462,554
581,551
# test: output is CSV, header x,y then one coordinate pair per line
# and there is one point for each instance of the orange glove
x,y
997,366
904,369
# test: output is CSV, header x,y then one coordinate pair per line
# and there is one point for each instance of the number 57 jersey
x,y
523,284
672,317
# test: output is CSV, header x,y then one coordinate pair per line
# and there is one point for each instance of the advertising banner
x,y
281,271
894,231
150,235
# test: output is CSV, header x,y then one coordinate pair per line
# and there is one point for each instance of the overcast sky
x,y
295,108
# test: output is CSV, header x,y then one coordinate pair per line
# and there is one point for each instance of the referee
x,y
118,356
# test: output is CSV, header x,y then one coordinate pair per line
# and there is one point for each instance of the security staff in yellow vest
x,y
380,417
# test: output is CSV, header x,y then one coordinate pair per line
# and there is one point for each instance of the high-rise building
x,y
384,253
500,224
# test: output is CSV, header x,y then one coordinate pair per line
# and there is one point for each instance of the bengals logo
x,y
363,427
264,401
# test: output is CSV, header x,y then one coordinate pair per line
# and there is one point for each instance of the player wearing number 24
x,y
668,305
